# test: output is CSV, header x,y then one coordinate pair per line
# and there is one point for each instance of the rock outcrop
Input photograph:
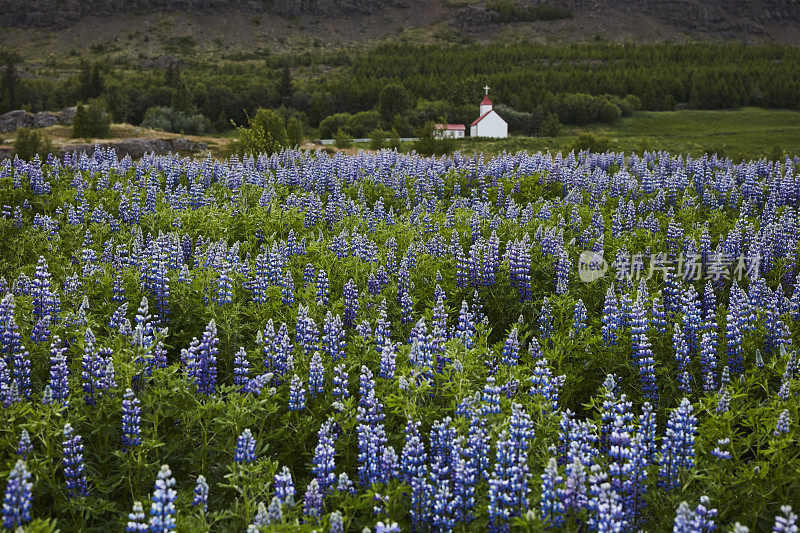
x,y
18,118
135,147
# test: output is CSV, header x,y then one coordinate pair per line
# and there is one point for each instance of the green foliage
x,y
591,142
342,139
550,125
265,133
508,11
167,119
428,143
91,121
30,143
377,139
294,132
361,124
393,100
333,124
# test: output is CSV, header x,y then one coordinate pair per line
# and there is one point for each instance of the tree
x,y
342,139
272,123
294,132
550,126
8,89
91,121
428,143
29,143
377,139
285,84
393,100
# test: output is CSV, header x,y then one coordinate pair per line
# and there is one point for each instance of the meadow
x,y
307,341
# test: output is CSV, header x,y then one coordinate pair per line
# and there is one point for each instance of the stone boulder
x,y
15,119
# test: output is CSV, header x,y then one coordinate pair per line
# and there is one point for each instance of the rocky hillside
x,y
770,20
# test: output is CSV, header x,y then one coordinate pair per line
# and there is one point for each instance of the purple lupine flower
x,y
350,303
45,301
162,510
287,288
24,447
18,497
204,364
677,448
720,452
137,522
224,286
708,363
546,319
241,369
297,394
284,486
783,424
323,288
415,473
333,337
682,357
93,369
340,378
316,377
324,457
312,501
643,354
551,506
578,319
544,384
608,513
131,418
388,362
698,520
610,318
491,396
201,494
245,448
336,522
73,464
510,354
786,523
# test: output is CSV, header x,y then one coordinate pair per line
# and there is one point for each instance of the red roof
x,y
457,127
486,100
481,117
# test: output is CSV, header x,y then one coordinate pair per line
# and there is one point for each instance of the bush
x,y
167,119
342,139
330,125
393,100
272,123
91,121
294,132
360,124
579,109
265,134
550,126
393,142
377,139
29,143
429,144
591,142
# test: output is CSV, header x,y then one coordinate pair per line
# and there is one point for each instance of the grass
x,y
742,133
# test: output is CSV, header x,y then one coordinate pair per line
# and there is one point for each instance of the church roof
x,y
486,100
482,116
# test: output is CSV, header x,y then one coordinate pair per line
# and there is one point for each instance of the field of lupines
x,y
386,341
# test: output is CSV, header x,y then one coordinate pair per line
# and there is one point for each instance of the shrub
x,y
360,124
429,144
330,125
265,134
590,141
377,139
29,143
294,132
342,139
91,121
550,126
167,119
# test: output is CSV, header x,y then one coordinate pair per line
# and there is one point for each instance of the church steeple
x,y
486,104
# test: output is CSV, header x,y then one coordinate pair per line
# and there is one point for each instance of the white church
x,y
488,124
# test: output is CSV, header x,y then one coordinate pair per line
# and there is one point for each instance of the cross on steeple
x,y
486,88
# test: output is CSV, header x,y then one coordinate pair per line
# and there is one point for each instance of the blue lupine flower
x,y
610,318
387,527
388,362
546,319
608,514
18,497
324,457
162,510
137,522
336,522
340,378
544,384
323,288
93,368
73,464
786,523
201,493
414,472
284,486
698,520
131,418
297,394
551,506
677,448
333,337
204,366
245,448
316,376
312,501
708,363
24,447
720,452
784,423
510,353
241,368
491,396
350,297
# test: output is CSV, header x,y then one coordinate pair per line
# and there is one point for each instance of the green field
x,y
743,133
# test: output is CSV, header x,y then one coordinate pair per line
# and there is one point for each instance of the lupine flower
x,y
786,523
510,353
324,458
708,362
784,423
59,372
699,520
336,522
245,448
608,513
131,417
18,497
388,364
677,449
546,319
719,452
24,447
204,365
297,394
73,464
333,337
162,510
137,522
201,493
241,368
284,487
340,378
491,396
316,376
610,318
551,506
312,501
